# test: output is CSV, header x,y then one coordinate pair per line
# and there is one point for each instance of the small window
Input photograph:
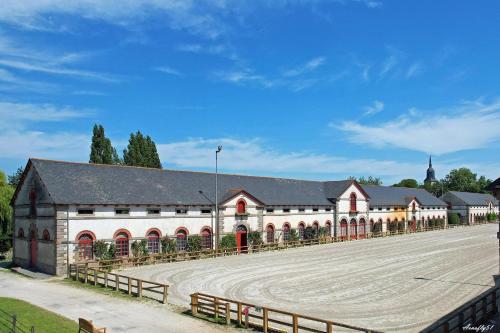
x,y
122,211
85,211
328,209
269,210
302,209
154,211
380,208
315,209
371,208
286,210
206,211
20,233
46,235
181,211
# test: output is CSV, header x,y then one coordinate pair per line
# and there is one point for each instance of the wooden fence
x,y
473,313
214,253
10,324
131,286
262,318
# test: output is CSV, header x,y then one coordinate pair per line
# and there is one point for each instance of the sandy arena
x,y
399,284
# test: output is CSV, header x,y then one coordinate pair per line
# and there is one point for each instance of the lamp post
x,y
219,149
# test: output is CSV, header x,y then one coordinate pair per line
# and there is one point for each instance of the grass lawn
x,y
31,315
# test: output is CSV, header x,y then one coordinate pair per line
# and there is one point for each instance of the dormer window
x,y
241,207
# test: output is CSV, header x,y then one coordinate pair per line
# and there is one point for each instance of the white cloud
x,y
244,76
168,70
389,64
16,83
414,70
470,125
376,107
311,65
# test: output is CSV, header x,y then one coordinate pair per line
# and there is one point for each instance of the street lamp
x,y
219,149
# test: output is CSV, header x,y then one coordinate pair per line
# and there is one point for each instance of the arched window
x,y
301,230
45,235
270,233
121,245
286,232
206,238
328,227
343,229
353,231
316,229
362,228
241,207
181,240
153,241
86,246
353,202
20,233
371,225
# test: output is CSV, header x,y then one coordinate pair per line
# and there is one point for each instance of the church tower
x,y
431,177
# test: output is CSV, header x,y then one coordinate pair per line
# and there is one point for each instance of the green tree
x,y
6,193
367,181
101,150
453,218
228,241
407,183
15,178
194,243
464,180
255,238
141,151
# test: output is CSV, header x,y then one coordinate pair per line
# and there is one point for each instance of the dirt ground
x,y
399,284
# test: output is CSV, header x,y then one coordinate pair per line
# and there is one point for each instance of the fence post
x,y
265,317
240,313
329,327
95,277
295,323
77,277
129,279
139,288
105,279
117,282
165,288
228,314
194,304
216,307
86,273
14,323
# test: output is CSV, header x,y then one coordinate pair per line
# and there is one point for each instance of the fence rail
x,y
262,318
110,264
131,286
472,313
9,323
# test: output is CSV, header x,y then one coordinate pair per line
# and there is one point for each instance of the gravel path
x,y
399,284
116,314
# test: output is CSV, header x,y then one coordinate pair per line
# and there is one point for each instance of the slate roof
x,y
470,199
82,183
400,196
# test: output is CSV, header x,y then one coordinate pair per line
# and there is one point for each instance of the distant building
x,y
431,176
57,203
471,207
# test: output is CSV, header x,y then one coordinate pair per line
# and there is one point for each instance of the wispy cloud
x,y
243,76
376,107
388,65
168,70
311,65
15,83
470,125
88,93
414,70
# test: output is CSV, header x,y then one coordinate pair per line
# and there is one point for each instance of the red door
x,y
33,251
241,241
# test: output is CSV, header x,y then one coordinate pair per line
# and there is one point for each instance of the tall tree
x,y
407,183
101,150
367,181
141,151
15,178
464,180
6,193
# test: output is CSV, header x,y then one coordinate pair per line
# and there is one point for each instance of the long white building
x,y
471,207
60,201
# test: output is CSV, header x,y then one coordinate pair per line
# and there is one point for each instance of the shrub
x,y
491,217
377,227
401,226
294,235
255,238
309,233
228,241
453,218
323,232
111,251
101,250
140,248
168,245
194,243
393,226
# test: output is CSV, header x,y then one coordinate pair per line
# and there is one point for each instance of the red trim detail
x,y
270,225
206,228
181,228
81,233
287,224
153,229
119,231
241,206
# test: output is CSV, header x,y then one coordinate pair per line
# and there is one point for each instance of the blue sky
x,y
307,89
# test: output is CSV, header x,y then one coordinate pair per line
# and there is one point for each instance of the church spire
x,y
430,161
431,177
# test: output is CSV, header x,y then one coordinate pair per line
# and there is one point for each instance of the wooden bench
x,y
86,326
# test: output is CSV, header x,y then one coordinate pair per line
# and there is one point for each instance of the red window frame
x,y
286,232
121,245
270,234
352,199
241,206
353,229
181,240
86,246
343,228
301,228
206,239
362,227
153,242
316,229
